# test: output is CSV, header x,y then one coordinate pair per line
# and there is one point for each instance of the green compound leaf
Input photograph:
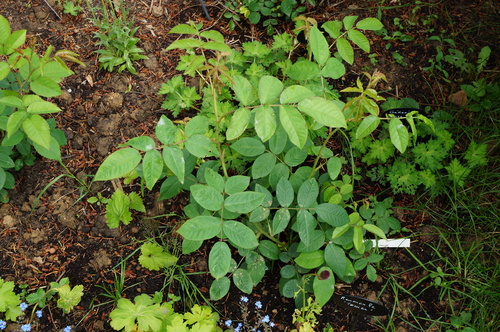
x,y
336,259
200,228
308,193
248,147
399,134
201,146
236,184
239,122
244,202
37,129
280,221
118,164
323,285
174,159
310,260
269,89
69,297
209,198
53,152
240,235
334,166
284,192
319,46
333,214
303,70
165,130
345,50
265,122
375,230
294,124
349,22
154,258
294,94
367,126
369,23
324,111
263,165
333,69
219,288
243,89
359,39
45,87
243,280
143,143
219,260
152,167
43,107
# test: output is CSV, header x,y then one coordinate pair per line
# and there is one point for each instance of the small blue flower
x,y
26,327
39,313
271,324
258,305
3,324
228,322
244,299
238,328
23,306
67,329
266,319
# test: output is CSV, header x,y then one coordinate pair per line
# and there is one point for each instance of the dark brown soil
x,y
67,237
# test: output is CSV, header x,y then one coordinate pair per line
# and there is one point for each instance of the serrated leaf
x,y
118,164
345,50
185,44
4,32
69,297
53,152
14,40
154,257
216,46
213,35
184,29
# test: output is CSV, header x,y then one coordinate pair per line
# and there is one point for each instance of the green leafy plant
x,y
116,36
68,297
71,7
25,79
9,300
119,206
288,203
154,257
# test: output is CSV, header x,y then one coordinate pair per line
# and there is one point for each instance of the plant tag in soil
x,y
360,305
400,112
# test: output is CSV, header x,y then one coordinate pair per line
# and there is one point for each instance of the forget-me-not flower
x,y
23,306
39,313
244,299
258,305
228,322
266,319
3,324
26,327
67,329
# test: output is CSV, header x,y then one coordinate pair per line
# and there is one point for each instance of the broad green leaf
x,y
295,156
369,23
375,230
345,50
239,234
333,69
278,142
367,126
14,40
259,214
216,46
236,184
269,89
143,143
174,159
136,202
118,209
248,147
371,274
196,126
335,258
152,167
280,221
13,101
184,29
4,69
213,35
359,39
333,28
265,122
269,249
399,134
118,164
201,146
334,166
200,228
323,285
185,44
219,288
243,90
214,179
349,22
69,297
153,257
319,46
239,122
243,280
14,122
37,129
53,152
284,192
165,130
6,161
4,29
244,202
308,193
263,165
43,107
291,288
357,239
303,70
256,267
294,94
209,198
323,111
305,227
333,214
45,87
310,260
219,260
294,124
